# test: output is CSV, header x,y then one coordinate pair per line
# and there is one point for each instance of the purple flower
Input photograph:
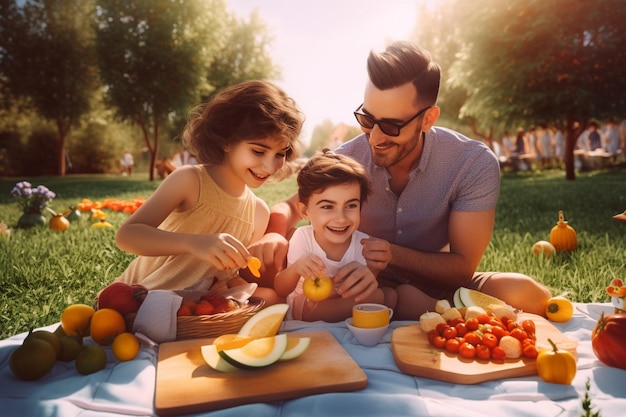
x,y
32,200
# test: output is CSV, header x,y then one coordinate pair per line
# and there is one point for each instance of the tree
x,y
46,61
244,55
536,62
153,57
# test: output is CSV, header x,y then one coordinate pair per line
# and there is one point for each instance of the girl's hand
x,y
221,250
309,266
377,253
355,280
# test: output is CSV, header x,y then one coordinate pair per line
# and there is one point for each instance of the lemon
x,y
91,359
125,346
265,323
32,360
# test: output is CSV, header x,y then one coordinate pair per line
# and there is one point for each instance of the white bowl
x,y
367,337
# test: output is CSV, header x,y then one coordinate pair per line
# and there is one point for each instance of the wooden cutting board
x,y
414,355
186,384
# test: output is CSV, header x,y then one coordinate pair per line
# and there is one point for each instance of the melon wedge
x,y
258,353
212,357
476,298
458,303
265,323
296,346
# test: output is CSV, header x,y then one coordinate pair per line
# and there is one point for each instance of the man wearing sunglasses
x,y
434,191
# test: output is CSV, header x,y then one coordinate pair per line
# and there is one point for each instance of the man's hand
x,y
356,281
377,253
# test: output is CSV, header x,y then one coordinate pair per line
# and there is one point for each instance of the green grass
x,y
42,271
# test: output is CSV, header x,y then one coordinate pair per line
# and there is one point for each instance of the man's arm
x,y
469,235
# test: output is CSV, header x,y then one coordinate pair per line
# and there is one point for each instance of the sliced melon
x,y
476,298
266,322
458,303
212,357
296,346
258,353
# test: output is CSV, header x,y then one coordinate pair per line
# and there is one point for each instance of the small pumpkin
x,y
58,223
608,340
563,236
555,365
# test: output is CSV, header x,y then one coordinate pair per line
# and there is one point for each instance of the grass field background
x,y
42,271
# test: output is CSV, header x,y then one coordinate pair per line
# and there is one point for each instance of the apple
x,y
122,297
318,288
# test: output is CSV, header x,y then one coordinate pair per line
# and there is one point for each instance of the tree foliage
x,y
46,61
533,62
152,57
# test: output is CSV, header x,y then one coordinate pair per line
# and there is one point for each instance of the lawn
x,y
42,271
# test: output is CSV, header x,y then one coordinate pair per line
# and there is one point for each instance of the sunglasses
x,y
388,128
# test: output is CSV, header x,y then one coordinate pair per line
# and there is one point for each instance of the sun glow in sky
x,y
321,47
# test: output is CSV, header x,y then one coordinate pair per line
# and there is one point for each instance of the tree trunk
x,y
63,132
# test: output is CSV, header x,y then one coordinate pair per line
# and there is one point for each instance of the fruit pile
x,y
207,305
479,327
41,349
114,204
486,337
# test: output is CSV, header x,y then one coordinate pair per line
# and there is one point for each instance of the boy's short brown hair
x,y
328,169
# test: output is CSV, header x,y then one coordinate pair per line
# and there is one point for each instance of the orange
x,y
75,319
126,346
107,323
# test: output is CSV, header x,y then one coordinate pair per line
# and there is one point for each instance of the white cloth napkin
x,y
156,318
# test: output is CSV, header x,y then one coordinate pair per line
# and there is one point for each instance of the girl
x,y
331,189
202,217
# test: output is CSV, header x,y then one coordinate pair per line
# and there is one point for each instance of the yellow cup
x,y
371,316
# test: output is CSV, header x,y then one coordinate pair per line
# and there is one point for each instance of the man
x,y
434,193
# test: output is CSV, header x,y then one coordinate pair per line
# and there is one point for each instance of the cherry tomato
x,y
471,324
472,338
483,318
519,333
436,340
449,333
529,326
452,345
467,350
483,352
489,340
496,322
511,325
499,332
461,329
455,321
530,351
441,327
498,353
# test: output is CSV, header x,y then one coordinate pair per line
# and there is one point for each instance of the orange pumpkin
x,y
59,223
563,236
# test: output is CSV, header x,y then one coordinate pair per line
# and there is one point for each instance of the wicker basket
x,y
214,325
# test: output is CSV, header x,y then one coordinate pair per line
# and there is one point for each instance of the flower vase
x,y
28,220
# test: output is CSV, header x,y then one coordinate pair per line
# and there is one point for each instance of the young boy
x,y
331,189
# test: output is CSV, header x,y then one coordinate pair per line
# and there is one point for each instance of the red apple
x,y
122,297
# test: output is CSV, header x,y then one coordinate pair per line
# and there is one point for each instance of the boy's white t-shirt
x,y
302,243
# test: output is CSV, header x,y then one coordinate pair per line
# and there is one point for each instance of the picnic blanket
x,y
127,388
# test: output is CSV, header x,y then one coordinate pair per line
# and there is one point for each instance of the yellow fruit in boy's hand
x,y
318,288
76,318
91,359
106,324
126,346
